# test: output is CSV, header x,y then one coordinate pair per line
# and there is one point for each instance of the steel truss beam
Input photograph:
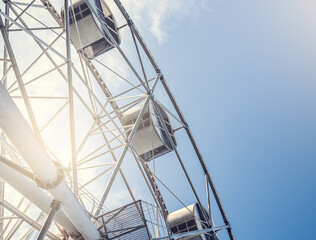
x,y
19,78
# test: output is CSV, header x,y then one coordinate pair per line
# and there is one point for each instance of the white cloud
x,y
159,17
205,5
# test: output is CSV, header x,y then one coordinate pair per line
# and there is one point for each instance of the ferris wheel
x,y
93,142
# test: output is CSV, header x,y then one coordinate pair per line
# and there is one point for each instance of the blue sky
x,y
244,76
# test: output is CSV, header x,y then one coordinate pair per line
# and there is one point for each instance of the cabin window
x,y
86,13
76,10
191,223
129,122
83,6
174,229
194,228
146,115
182,226
79,12
151,154
140,126
146,122
187,226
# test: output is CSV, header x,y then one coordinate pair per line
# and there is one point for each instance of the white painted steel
x,y
20,134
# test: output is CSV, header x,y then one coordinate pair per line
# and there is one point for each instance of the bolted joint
x,y
52,184
96,117
68,61
55,205
150,92
130,22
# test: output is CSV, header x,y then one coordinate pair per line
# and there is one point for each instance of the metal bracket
x,y
52,185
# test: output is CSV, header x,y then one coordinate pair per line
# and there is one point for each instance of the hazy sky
x,y
243,73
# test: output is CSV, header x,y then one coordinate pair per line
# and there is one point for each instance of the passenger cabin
x,y
86,32
150,140
188,219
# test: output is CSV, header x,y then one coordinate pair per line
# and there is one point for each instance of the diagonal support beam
x,y
113,42
49,220
22,137
123,153
126,147
19,79
32,35
25,218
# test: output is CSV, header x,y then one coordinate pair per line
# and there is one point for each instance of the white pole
x,y
71,103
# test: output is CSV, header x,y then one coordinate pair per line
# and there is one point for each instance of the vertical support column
x,y
50,218
71,103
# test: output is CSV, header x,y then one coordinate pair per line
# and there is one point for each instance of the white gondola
x,y
186,220
86,32
150,140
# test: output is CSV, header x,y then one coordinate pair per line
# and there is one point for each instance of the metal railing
x,y
136,221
